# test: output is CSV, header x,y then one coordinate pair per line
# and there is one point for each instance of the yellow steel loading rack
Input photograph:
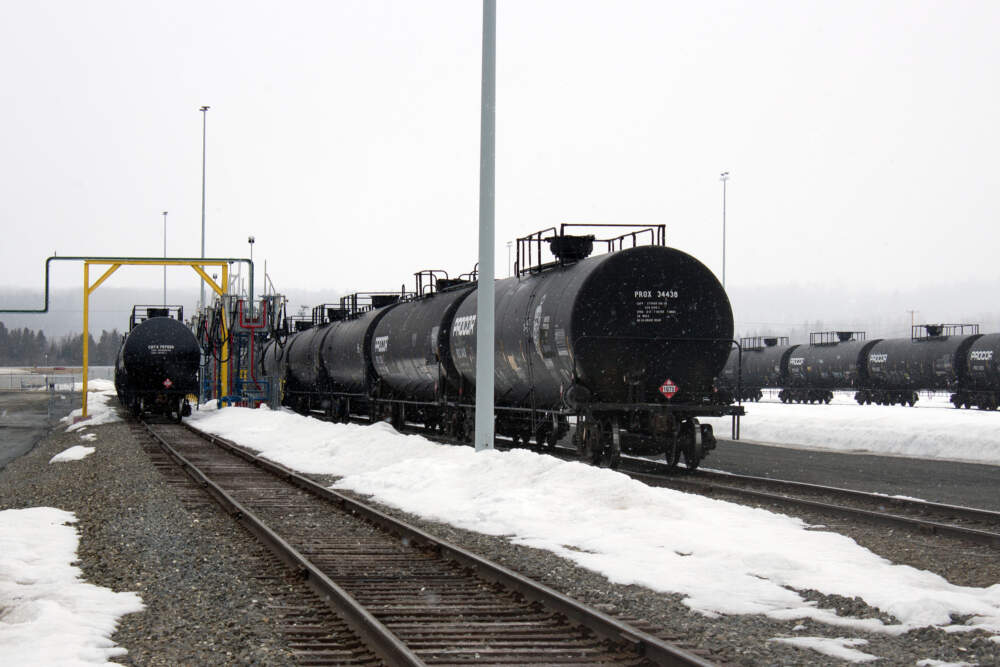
x,y
114,263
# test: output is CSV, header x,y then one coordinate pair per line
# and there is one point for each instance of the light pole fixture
x,y
204,124
724,176
164,257
509,274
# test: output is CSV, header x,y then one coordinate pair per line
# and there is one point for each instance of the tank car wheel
x,y
690,460
542,436
673,451
179,411
611,454
588,442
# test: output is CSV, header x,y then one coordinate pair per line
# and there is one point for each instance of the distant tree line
x,y
24,347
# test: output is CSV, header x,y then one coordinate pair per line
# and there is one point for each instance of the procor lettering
x,y
463,326
879,358
796,361
381,344
981,355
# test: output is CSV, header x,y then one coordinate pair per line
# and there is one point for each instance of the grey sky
x,y
861,136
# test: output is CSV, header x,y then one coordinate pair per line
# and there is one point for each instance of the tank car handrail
x,y
658,231
942,330
526,262
432,278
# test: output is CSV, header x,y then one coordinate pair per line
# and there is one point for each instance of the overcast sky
x,y
861,137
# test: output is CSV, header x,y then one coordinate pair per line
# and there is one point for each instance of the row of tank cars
x,y
885,371
624,346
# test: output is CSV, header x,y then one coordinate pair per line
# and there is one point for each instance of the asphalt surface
x,y
27,416
968,484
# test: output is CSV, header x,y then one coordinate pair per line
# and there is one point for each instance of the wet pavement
x,y
27,416
950,482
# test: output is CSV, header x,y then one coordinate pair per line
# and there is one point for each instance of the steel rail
x,y
710,482
382,641
972,513
642,643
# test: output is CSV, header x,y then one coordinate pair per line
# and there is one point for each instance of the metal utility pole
x,y
204,125
485,295
164,257
724,177
251,240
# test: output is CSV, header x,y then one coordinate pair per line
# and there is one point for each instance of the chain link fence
x,y
55,381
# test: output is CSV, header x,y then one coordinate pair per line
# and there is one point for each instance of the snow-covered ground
x,y
931,429
724,558
48,614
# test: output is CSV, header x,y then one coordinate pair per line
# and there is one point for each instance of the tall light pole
x,y
724,176
204,124
251,240
164,257
486,291
509,274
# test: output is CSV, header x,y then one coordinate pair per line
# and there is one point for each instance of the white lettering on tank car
x,y
463,326
796,361
653,306
879,358
381,344
981,355
160,348
659,294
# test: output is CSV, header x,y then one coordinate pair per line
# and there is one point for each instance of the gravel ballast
x,y
189,564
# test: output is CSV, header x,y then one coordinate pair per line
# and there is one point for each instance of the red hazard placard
x,y
167,383
668,388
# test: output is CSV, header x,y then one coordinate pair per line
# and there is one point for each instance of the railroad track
x,y
410,598
975,525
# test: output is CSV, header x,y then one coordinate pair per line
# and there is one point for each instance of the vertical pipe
x,y
224,360
485,294
86,329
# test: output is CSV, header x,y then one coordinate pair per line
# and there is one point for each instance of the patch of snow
x,y
74,453
835,648
50,615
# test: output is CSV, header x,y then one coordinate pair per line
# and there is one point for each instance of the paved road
x,y
25,419
970,484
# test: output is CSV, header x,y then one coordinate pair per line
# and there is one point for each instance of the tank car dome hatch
x,y
448,283
382,300
568,248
